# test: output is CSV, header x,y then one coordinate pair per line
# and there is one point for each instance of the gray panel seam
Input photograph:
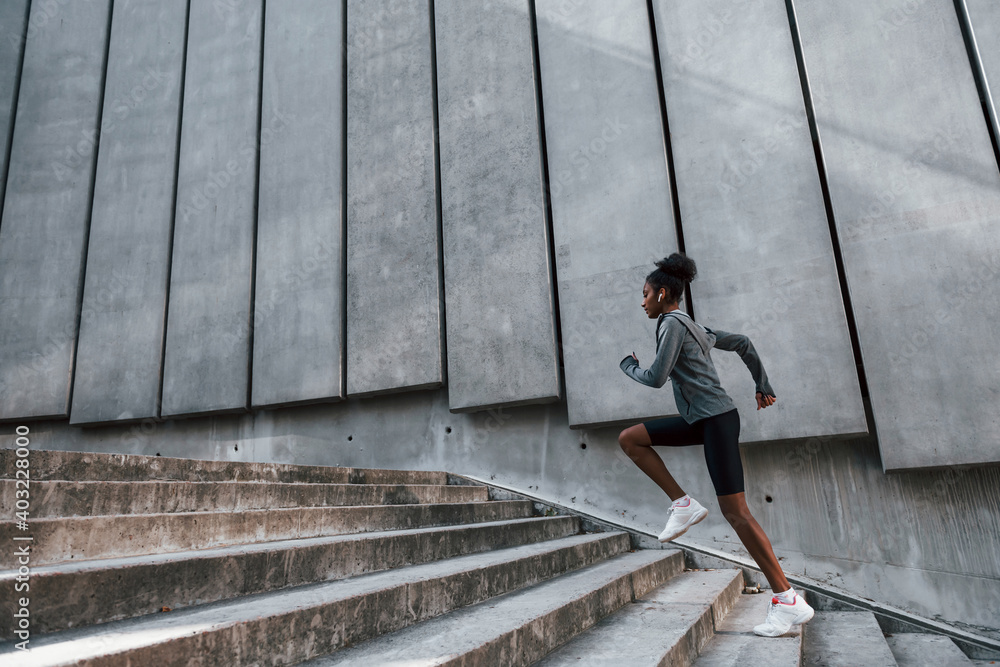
x,y
543,159
13,107
173,212
251,314
71,380
838,256
343,200
436,129
979,74
668,150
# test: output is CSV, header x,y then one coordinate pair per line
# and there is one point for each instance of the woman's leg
x,y
635,441
734,508
725,465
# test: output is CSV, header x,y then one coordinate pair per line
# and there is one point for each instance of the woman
x,y
707,416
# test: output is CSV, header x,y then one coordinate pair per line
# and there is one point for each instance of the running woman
x,y
707,416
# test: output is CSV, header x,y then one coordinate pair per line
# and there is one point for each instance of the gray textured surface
x,y
984,17
13,23
125,290
925,650
736,645
611,209
395,304
667,626
522,627
753,215
297,349
90,592
47,208
304,622
845,639
499,295
207,358
60,540
916,198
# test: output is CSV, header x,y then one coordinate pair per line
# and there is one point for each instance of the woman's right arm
x,y
668,348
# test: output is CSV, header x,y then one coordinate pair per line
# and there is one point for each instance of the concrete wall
x,y
206,365
916,200
298,352
120,347
46,211
753,214
612,214
457,206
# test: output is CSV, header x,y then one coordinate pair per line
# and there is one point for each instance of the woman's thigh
x,y
722,452
673,432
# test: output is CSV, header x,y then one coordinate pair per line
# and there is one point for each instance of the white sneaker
x,y
781,616
682,518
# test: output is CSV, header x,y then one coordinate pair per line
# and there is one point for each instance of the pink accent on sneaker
x,y
775,600
687,504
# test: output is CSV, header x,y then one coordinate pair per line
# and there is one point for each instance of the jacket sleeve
x,y
668,348
742,346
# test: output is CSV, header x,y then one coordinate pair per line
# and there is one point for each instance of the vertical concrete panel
x,y
984,23
125,290
498,277
753,213
14,20
916,197
611,208
298,305
395,312
47,208
206,363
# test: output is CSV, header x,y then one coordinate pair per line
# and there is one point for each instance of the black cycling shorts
x,y
720,434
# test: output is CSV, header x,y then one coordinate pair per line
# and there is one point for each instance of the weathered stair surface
x,y
926,650
668,626
846,639
95,591
521,627
291,625
60,540
57,498
736,645
87,466
140,560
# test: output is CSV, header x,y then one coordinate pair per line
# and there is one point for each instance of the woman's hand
x,y
764,400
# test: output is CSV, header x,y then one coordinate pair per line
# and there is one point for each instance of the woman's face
x,y
653,307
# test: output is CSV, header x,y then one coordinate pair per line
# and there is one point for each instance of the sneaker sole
x,y
697,518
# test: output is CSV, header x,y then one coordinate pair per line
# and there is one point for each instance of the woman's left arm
x,y
742,346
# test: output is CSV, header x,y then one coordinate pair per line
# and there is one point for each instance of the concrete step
x,y
58,498
97,591
926,650
77,538
84,466
845,639
735,644
667,626
294,624
522,627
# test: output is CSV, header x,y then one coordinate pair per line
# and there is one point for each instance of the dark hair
x,y
673,274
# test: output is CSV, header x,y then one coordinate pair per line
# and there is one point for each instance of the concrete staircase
x,y
141,560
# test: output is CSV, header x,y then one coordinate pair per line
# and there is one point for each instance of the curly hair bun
x,y
678,266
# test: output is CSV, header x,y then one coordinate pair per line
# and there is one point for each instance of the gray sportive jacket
x,y
683,354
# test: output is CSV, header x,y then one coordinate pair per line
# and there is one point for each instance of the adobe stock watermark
x,y
881,203
218,181
115,112
901,15
22,543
